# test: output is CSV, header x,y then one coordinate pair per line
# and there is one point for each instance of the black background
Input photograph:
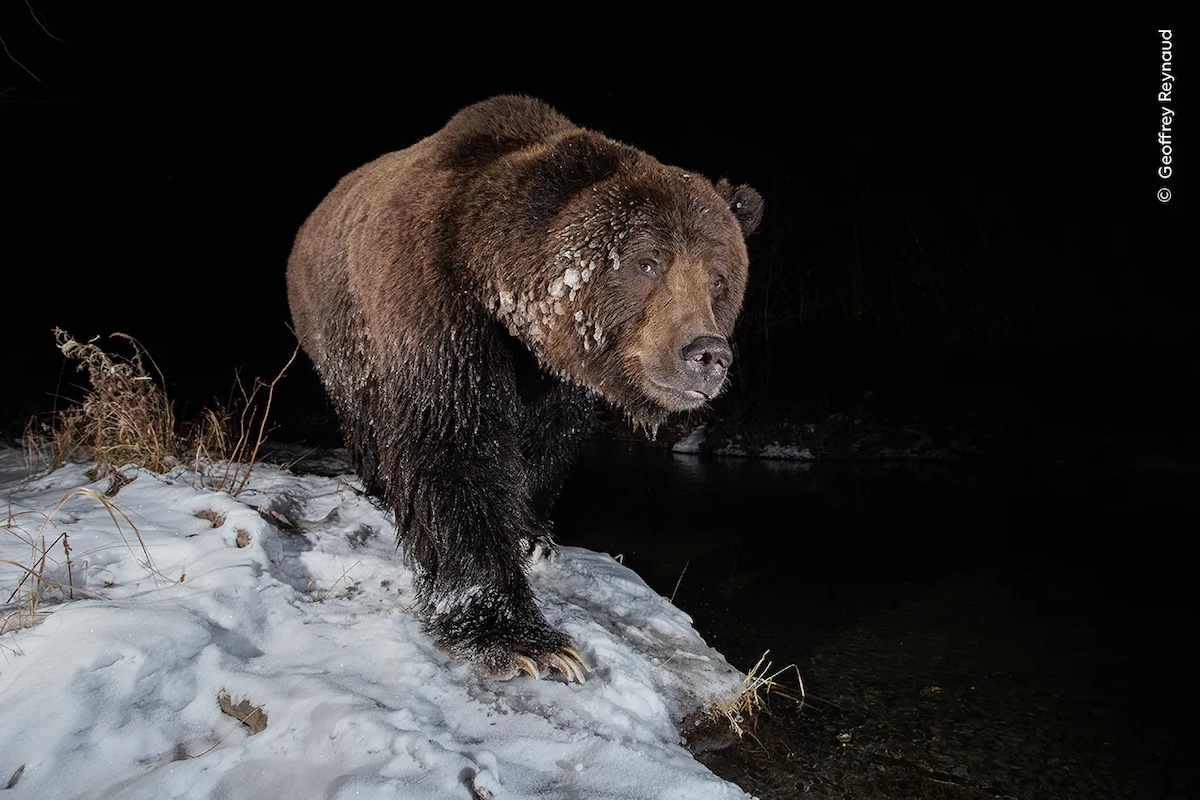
x,y
157,167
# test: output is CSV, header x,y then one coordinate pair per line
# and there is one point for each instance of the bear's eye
x,y
649,266
718,285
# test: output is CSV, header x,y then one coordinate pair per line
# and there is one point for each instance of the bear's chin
x,y
677,398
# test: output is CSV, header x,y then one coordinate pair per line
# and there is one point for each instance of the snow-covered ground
x,y
290,598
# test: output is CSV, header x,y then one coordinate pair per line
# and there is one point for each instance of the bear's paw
x,y
538,655
505,645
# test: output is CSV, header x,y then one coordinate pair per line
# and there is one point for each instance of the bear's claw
x,y
571,665
527,665
539,548
567,661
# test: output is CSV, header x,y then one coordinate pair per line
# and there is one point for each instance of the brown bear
x,y
466,299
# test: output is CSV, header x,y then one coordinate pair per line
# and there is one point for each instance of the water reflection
x,y
1036,602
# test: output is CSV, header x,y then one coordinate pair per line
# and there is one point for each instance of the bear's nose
x,y
707,353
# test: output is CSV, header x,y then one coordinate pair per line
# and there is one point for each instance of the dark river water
x,y
961,631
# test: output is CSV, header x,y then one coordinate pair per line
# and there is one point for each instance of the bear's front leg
x,y
459,487
468,537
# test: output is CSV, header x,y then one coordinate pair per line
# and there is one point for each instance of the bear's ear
x,y
745,203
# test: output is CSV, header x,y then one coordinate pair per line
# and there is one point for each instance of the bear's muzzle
x,y
706,362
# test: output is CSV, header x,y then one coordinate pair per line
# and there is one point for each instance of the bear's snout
x,y
694,375
706,361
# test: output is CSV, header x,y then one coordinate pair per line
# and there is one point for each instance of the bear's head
x,y
640,276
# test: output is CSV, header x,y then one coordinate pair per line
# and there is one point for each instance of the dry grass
x,y
21,608
236,440
759,685
210,434
40,576
124,417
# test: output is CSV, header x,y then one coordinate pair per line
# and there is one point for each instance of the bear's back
x,y
490,129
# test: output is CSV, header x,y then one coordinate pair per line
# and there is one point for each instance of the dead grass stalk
x,y
251,428
759,685
124,417
37,576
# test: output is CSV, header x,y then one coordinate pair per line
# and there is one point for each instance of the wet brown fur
x,y
465,299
